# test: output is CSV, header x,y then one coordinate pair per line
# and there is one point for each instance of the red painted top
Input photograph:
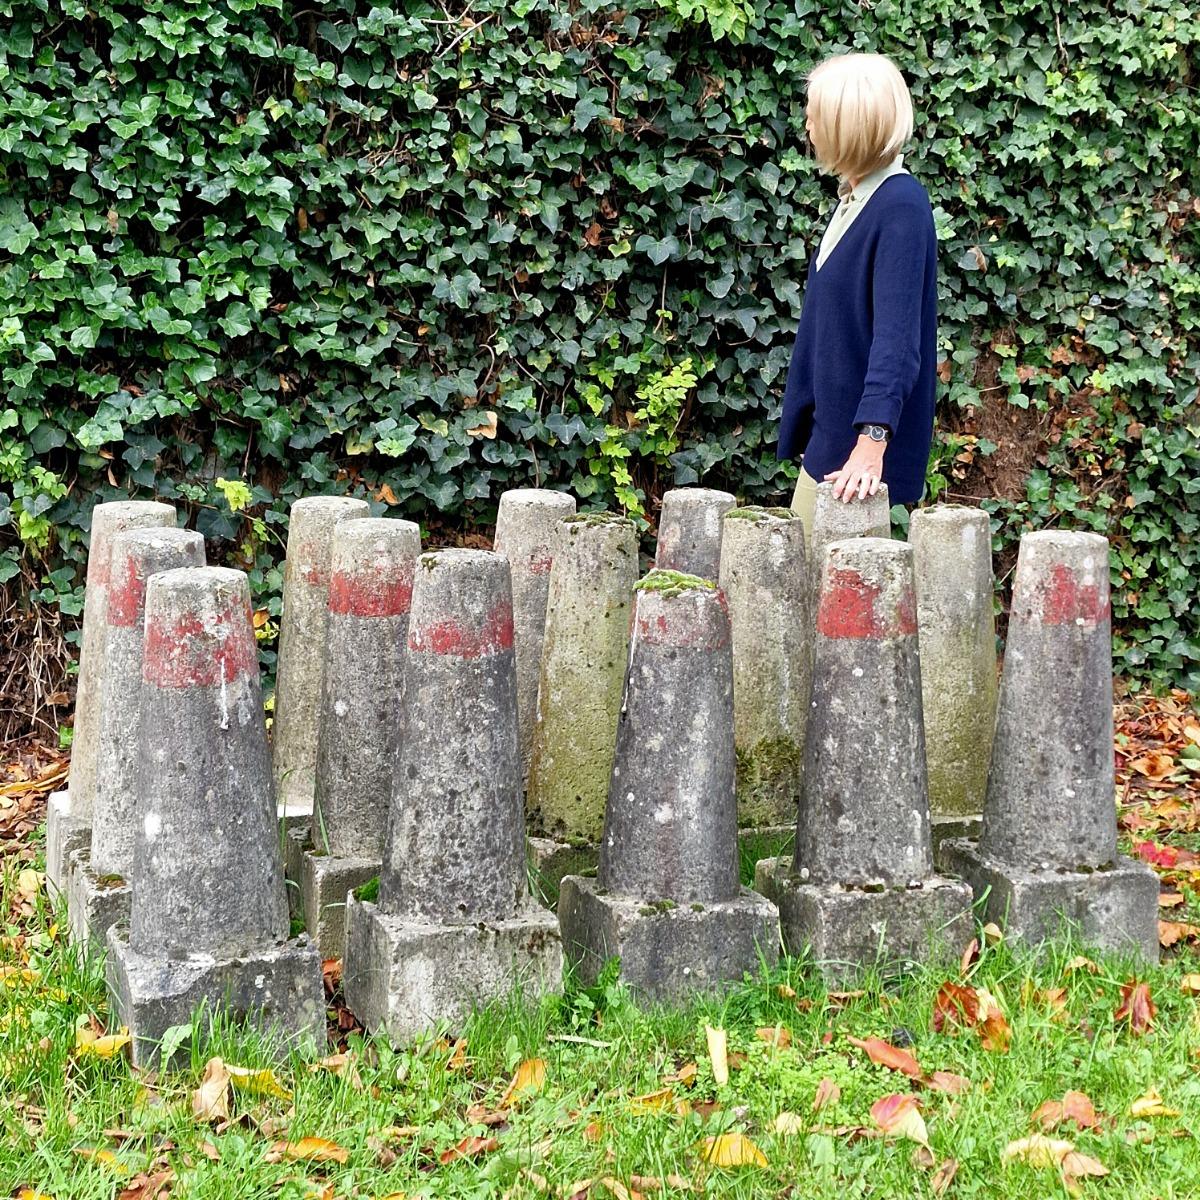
x,y
375,590
850,608
682,622
188,652
1066,600
540,562
126,596
493,635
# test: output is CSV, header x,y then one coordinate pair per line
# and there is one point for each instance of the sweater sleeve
x,y
897,288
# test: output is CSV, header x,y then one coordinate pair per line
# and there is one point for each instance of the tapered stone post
x,y
99,879
370,592
579,697
862,885
300,671
764,577
689,531
667,901
1048,852
952,558
209,921
527,526
454,925
835,520
69,813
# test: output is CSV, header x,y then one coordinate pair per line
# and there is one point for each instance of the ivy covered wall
x,y
250,251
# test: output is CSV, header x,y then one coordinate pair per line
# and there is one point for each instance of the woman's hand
x,y
862,473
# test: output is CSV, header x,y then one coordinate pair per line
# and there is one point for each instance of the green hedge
x,y
424,256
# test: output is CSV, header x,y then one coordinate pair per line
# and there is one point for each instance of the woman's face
x,y
810,129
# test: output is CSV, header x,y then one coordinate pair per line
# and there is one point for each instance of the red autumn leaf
x,y
1156,855
469,1147
1137,1007
1074,1106
954,1005
970,956
900,1115
828,1092
887,1055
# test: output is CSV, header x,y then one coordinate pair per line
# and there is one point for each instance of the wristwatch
x,y
877,433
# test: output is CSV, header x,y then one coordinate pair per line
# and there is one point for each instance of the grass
x,y
583,1124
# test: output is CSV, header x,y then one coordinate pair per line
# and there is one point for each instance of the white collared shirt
x,y
852,201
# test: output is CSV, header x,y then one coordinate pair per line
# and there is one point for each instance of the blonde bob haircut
x,y
860,112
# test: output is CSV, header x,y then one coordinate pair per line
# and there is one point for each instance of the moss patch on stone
x,y
758,512
596,518
369,891
768,782
672,583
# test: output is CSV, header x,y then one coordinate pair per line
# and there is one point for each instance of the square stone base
x,y
278,988
945,828
297,840
667,951
65,834
94,904
851,930
549,861
1115,908
403,978
324,882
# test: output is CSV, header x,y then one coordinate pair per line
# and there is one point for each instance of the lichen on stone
x,y
586,519
672,583
759,512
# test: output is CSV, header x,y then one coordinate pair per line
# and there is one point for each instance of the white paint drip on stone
x,y
153,826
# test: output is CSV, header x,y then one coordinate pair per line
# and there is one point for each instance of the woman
x,y
858,405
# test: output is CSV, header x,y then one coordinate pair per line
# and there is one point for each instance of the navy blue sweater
x,y
866,348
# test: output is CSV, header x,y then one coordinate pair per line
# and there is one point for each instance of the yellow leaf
x,y
30,1194
15,976
1151,1105
107,1157
1037,1150
1190,985
315,1149
488,428
652,1101
993,934
29,882
529,1079
718,1054
210,1101
788,1123
1079,963
257,1081
732,1150
88,1045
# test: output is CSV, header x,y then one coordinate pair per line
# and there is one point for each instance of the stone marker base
x,y
549,861
850,930
666,950
324,882
1113,908
945,828
297,841
404,977
277,987
64,835
94,903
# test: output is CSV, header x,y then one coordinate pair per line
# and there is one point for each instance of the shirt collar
x,y
867,185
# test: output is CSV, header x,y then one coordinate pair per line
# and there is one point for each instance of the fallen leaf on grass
x,y
29,882
1079,963
886,1055
311,1149
529,1079
1190,985
685,1074
31,1194
469,1147
732,1150
943,1176
828,1092
776,1036
718,1054
1170,932
1151,1105
1170,899
652,1183
210,1101
651,1102
1040,1151
593,1132
480,1114
147,1187
955,1006
788,1124
947,1081
993,935
107,1157
899,1116
922,1158
88,1045
1074,1106
257,1081
1137,1007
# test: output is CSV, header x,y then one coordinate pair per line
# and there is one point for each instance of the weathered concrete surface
x,y
670,826
404,978
455,849
1114,908
1051,792
851,930
689,531
764,576
69,818
836,520
526,534
583,667
667,950
944,829
135,556
370,593
550,861
95,903
301,664
278,988
861,888
864,811
207,876
952,557
325,881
